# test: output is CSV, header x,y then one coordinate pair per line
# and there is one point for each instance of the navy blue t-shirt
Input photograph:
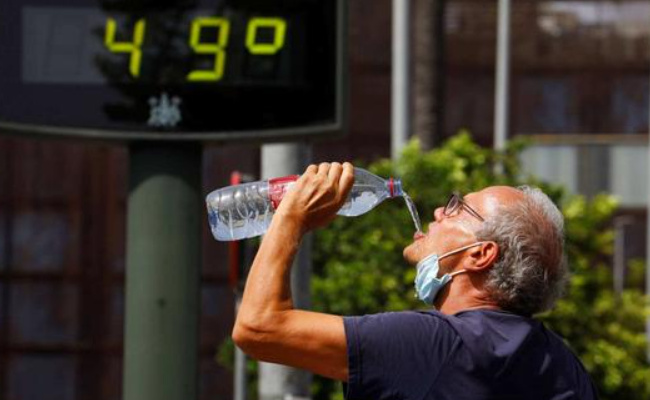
x,y
474,355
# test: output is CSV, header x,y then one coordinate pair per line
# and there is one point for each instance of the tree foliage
x,y
358,265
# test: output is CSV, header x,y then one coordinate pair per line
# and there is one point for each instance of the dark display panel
x,y
170,67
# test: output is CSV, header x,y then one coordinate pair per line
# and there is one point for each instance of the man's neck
x,y
462,295
451,309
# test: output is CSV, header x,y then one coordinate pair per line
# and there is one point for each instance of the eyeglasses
x,y
456,203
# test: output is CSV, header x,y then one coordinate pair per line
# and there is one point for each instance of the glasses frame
x,y
456,204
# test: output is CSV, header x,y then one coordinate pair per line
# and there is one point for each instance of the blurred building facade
x,y
579,88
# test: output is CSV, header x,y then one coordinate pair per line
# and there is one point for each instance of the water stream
x,y
414,212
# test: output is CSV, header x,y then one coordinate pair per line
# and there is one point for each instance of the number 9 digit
x,y
218,48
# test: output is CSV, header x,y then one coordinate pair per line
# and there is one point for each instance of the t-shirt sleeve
x,y
395,355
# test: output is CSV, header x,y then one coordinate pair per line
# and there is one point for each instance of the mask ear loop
x,y
449,253
462,271
469,246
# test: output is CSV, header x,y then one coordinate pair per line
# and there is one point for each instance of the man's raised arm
x,y
268,328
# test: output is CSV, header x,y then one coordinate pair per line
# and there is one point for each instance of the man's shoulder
x,y
395,323
403,318
469,320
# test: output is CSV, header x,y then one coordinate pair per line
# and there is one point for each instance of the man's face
x,y
447,233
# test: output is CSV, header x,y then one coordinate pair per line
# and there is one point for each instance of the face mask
x,y
427,283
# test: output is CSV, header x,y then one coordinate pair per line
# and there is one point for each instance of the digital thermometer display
x,y
173,68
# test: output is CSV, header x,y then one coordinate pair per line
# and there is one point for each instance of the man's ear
x,y
482,257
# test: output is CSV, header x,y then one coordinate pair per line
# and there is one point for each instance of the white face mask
x,y
427,283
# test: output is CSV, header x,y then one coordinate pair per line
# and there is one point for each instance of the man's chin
x,y
410,253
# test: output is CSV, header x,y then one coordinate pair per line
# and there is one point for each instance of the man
x,y
488,262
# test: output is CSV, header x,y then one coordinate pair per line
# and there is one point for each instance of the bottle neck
x,y
278,187
394,187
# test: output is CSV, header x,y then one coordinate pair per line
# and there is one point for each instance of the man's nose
x,y
438,214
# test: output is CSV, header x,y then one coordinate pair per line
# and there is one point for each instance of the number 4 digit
x,y
135,47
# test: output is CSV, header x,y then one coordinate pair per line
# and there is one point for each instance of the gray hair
x,y
531,269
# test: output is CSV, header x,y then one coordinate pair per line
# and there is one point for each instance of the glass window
x,y
40,241
577,67
43,313
629,103
56,373
545,104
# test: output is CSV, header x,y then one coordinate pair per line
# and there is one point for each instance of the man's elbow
x,y
241,335
250,338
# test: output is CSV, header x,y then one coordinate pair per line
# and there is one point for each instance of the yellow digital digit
x,y
134,48
218,48
279,27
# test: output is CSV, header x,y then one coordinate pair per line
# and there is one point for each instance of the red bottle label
x,y
278,187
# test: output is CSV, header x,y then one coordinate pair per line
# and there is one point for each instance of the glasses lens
x,y
455,203
452,205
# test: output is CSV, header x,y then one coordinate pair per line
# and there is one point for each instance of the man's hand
x,y
319,193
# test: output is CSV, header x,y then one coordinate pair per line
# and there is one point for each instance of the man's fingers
x,y
346,180
340,177
312,169
323,168
335,172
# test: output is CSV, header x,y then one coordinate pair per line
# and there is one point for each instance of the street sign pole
x,y
162,272
279,382
401,81
501,100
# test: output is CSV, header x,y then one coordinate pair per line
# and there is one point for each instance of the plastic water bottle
x,y
244,211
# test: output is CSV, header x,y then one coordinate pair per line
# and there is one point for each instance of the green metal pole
x,y
163,272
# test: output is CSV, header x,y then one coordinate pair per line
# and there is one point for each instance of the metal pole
x,y
245,256
278,382
400,97
163,272
502,75
238,261
241,377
